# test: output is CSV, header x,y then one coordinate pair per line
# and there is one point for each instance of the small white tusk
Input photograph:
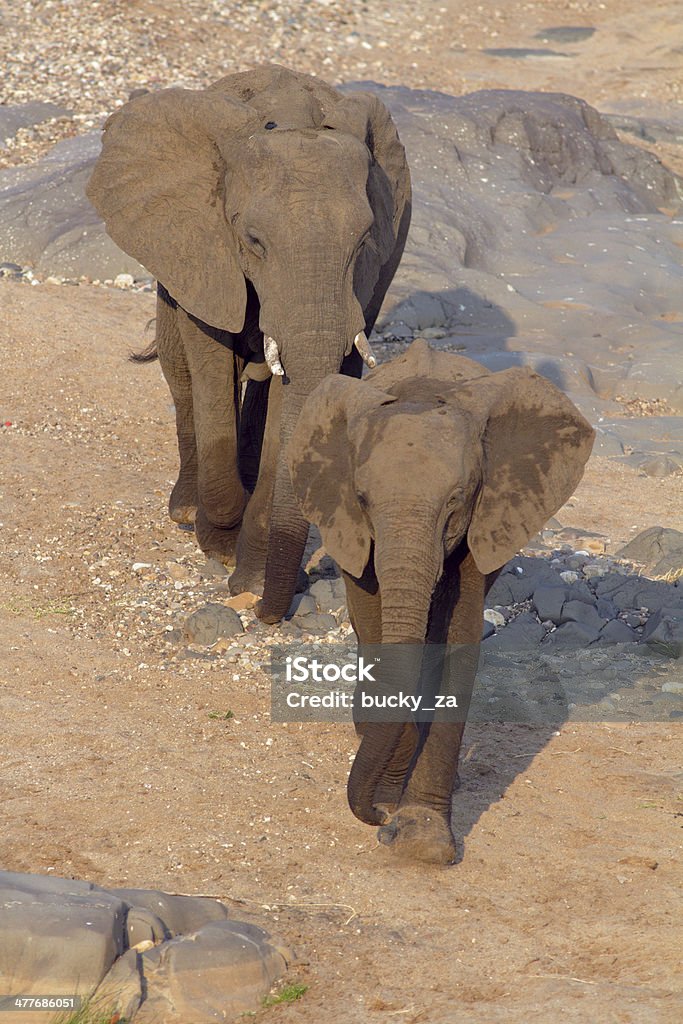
x,y
363,346
273,356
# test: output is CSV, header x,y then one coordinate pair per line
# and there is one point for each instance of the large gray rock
x,y
579,611
144,926
573,635
617,632
659,549
47,222
211,622
525,205
639,592
651,444
316,625
664,632
123,989
57,936
179,914
215,974
64,937
548,601
522,633
519,580
329,595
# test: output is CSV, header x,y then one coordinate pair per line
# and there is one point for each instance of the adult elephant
x,y
273,211
425,478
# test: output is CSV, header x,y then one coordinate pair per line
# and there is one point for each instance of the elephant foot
x,y
265,616
416,832
216,541
182,505
183,514
242,580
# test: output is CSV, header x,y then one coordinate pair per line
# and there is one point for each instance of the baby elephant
x,y
424,479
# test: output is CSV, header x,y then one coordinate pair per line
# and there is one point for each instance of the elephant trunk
x,y
305,365
408,564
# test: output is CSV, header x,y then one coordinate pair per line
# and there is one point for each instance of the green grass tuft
x,y
288,994
90,1013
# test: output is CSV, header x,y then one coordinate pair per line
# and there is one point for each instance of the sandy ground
x,y
565,903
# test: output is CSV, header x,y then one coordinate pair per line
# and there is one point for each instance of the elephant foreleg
x,y
215,403
421,828
252,544
364,602
182,505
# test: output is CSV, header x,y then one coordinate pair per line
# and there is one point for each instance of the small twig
x,y
553,753
269,905
563,977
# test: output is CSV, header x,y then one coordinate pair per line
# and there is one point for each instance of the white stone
x,y
568,576
495,618
123,281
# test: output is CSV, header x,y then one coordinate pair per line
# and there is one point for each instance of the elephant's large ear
x,y
319,460
536,444
159,186
362,114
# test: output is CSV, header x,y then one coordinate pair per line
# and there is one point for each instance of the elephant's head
x,y
427,452
273,178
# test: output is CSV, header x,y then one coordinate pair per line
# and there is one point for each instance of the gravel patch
x,y
90,56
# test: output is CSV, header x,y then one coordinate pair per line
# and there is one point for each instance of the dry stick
x,y
270,905
553,753
563,977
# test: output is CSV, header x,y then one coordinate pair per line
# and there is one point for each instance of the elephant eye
x,y
455,499
252,243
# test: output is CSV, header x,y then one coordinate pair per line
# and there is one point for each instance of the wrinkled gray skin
x,y
266,204
424,479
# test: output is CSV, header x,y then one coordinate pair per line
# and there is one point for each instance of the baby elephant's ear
x,y
319,457
536,445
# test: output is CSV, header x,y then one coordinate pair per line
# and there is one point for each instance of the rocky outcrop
x,y
140,953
